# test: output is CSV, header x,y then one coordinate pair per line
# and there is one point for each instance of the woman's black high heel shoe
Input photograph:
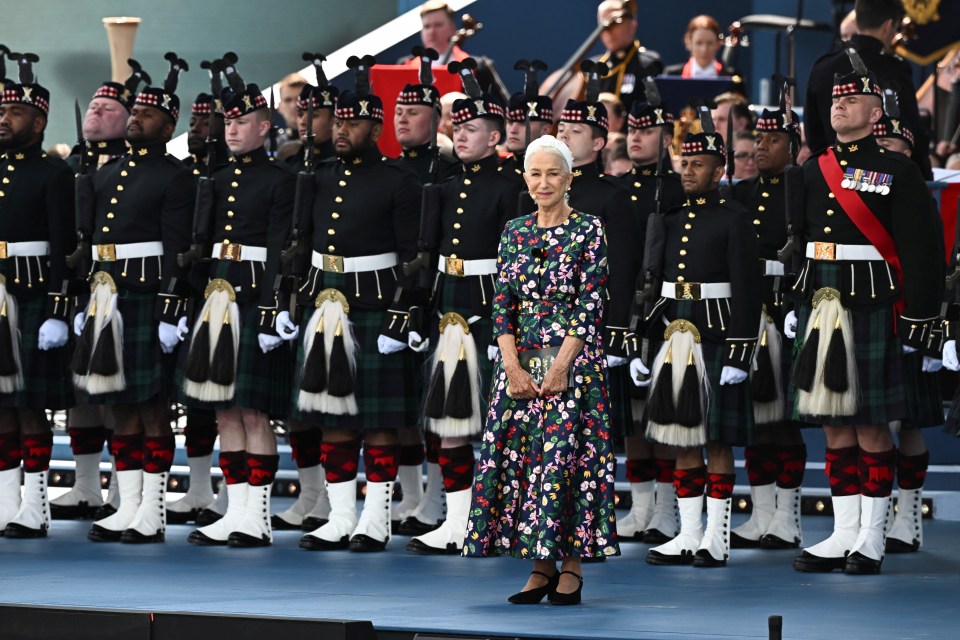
x,y
534,596
566,598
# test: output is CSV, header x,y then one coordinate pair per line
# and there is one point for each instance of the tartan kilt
x,y
388,387
47,383
730,414
148,371
924,406
878,353
619,394
262,379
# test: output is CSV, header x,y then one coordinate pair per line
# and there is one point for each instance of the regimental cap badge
x,y
364,107
659,115
711,143
480,109
591,112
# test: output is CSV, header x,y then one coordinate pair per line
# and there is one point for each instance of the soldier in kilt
x,y
924,404
704,329
474,208
653,515
356,379
867,294
36,201
138,220
775,465
524,108
237,363
104,129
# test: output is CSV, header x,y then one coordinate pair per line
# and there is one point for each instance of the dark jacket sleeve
x,y
407,197
743,254
62,239
176,221
624,254
278,230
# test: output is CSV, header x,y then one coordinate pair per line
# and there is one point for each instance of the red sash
x,y
858,211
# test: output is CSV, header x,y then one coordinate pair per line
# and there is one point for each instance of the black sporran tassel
x,y
763,385
8,364
80,364
340,379
689,404
314,379
222,366
835,364
436,392
660,408
805,370
459,403
104,359
197,366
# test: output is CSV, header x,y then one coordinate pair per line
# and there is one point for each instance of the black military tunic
x,y
98,153
625,79
641,183
322,152
36,205
418,159
887,67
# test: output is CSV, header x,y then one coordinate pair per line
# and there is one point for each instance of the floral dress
x,y
544,482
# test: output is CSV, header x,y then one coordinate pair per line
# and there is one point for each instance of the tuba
x,y
121,32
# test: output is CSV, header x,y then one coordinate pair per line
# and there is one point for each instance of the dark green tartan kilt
x,y
924,405
878,353
619,395
730,414
148,371
388,388
47,383
262,379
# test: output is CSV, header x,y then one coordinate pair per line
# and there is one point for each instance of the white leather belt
x,y
238,253
695,290
128,251
772,268
462,268
831,252
24,249
339,264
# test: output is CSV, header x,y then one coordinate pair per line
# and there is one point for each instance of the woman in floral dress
x,y
544,484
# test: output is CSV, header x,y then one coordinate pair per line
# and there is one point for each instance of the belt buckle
x,y
106,253
333,263
825,251
454,267
687,290
3,250
231,252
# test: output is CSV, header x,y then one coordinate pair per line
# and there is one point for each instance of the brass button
x,y
234,184
123,173
827,230
131,164
467,181
683,252
113,201
331,248
684,239
226,241
342,183
335,215
231,199
843,163
456,225
338,199
830,195
110,216
463,195
237,172
453,255
6,180
636,184
761,208
634,198
756,221
765,194
680,279
347,172
106,229
681,266
691,215
456,241
829,212
688,226
230,214
228,227
119,187
459,209
331,232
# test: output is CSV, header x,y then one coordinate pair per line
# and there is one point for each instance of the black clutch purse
x,y
537,362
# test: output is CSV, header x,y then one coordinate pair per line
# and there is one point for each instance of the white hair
x,y
549,144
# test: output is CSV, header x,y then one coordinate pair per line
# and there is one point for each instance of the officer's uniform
x,y
539,110
879,291
36,229
324,97
364,226
418,160
627,70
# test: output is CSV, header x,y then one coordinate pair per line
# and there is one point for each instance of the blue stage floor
x,y
624,597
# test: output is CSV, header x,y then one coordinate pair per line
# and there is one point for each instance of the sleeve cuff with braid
x,y
59,305
620,342
738,352
396,324
170,308
914,332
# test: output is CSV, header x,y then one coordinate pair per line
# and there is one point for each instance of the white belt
x,y
128,251
24,249
238,253
695,290
339,264
463,268
772,268
831,252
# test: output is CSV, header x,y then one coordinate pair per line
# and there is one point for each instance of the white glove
x,y
387,345
616,361
415,342
908,349
790,325
168,337
492,352
183,328
268,342
285,326
950,360
53,334
931,365
639,374
78,323
732,375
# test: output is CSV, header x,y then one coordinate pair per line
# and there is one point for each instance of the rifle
x,y
791,254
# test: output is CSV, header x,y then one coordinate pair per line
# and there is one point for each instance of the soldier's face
x,y
288,104
149,125
246,133
773,151
20,126
105,119
620,33
579,139
352,137
642,144
700,173
475,139
197,134
853,116
412,124
895,144
322,124
517,134
547,178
